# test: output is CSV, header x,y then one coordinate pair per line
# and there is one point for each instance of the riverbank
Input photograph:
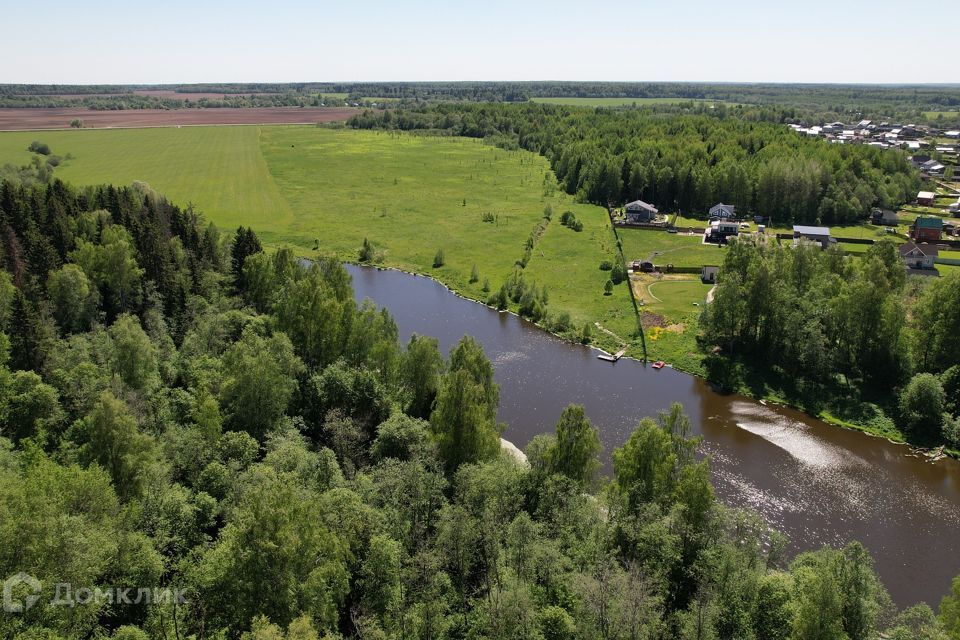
x,y
879,429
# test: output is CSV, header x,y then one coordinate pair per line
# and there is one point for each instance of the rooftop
x,y
924,248
929,222
810,231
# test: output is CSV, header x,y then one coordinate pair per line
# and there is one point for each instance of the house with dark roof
x,y
885,217
722,212
639,211
926,229
919,256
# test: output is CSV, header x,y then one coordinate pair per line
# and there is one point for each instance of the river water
x,y
816,483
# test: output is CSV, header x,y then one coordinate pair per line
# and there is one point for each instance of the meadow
x,y
410,196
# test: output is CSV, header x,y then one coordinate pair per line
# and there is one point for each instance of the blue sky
x,y
102,41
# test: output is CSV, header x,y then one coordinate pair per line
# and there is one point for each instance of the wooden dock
x,y
614,357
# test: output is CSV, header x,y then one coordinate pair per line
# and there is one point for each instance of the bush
x,y
438,259
618,274
366,251
606,265
474,274
76,123
607,287
586,333
39,147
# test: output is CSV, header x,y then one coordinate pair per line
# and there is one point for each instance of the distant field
x,y
947,115
611,102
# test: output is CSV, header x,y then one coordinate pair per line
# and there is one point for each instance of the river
x,y
816,483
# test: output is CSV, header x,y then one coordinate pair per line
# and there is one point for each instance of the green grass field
x,y
409,195
668,248
219,169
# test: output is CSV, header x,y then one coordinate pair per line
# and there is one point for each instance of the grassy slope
x,y
568,264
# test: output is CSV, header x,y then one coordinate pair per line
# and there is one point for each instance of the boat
x,y
659,364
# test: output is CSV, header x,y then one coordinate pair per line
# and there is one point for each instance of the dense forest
x,y
836,331
828,101
202,440
682,162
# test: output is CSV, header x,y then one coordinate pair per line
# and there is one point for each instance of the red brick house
x,y
926,229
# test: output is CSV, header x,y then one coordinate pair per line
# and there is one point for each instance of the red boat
x,y
659,364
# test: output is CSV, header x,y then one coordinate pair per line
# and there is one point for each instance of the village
x,y
887,135
673,260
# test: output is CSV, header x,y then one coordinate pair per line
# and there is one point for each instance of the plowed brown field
x,y
27,119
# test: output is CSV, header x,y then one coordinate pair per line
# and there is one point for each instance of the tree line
x,y
852,334
685,162
838,100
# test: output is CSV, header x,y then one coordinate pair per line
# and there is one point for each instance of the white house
x,y
919,256
708,273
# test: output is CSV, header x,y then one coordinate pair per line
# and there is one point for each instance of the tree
x,y
274,558
921,405
245,244
366,251
608,287
464,414
112,266
950,610
134,356
259,378
438,259
577,445
420,369
74,299
110,437
474,274
316,312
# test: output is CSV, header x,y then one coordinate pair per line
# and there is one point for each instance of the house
x,y
918,256
820,235
884,217
954,208
708,273
722,212
933,168
951,134
639,211
926,229
720,230
925,198
919,161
